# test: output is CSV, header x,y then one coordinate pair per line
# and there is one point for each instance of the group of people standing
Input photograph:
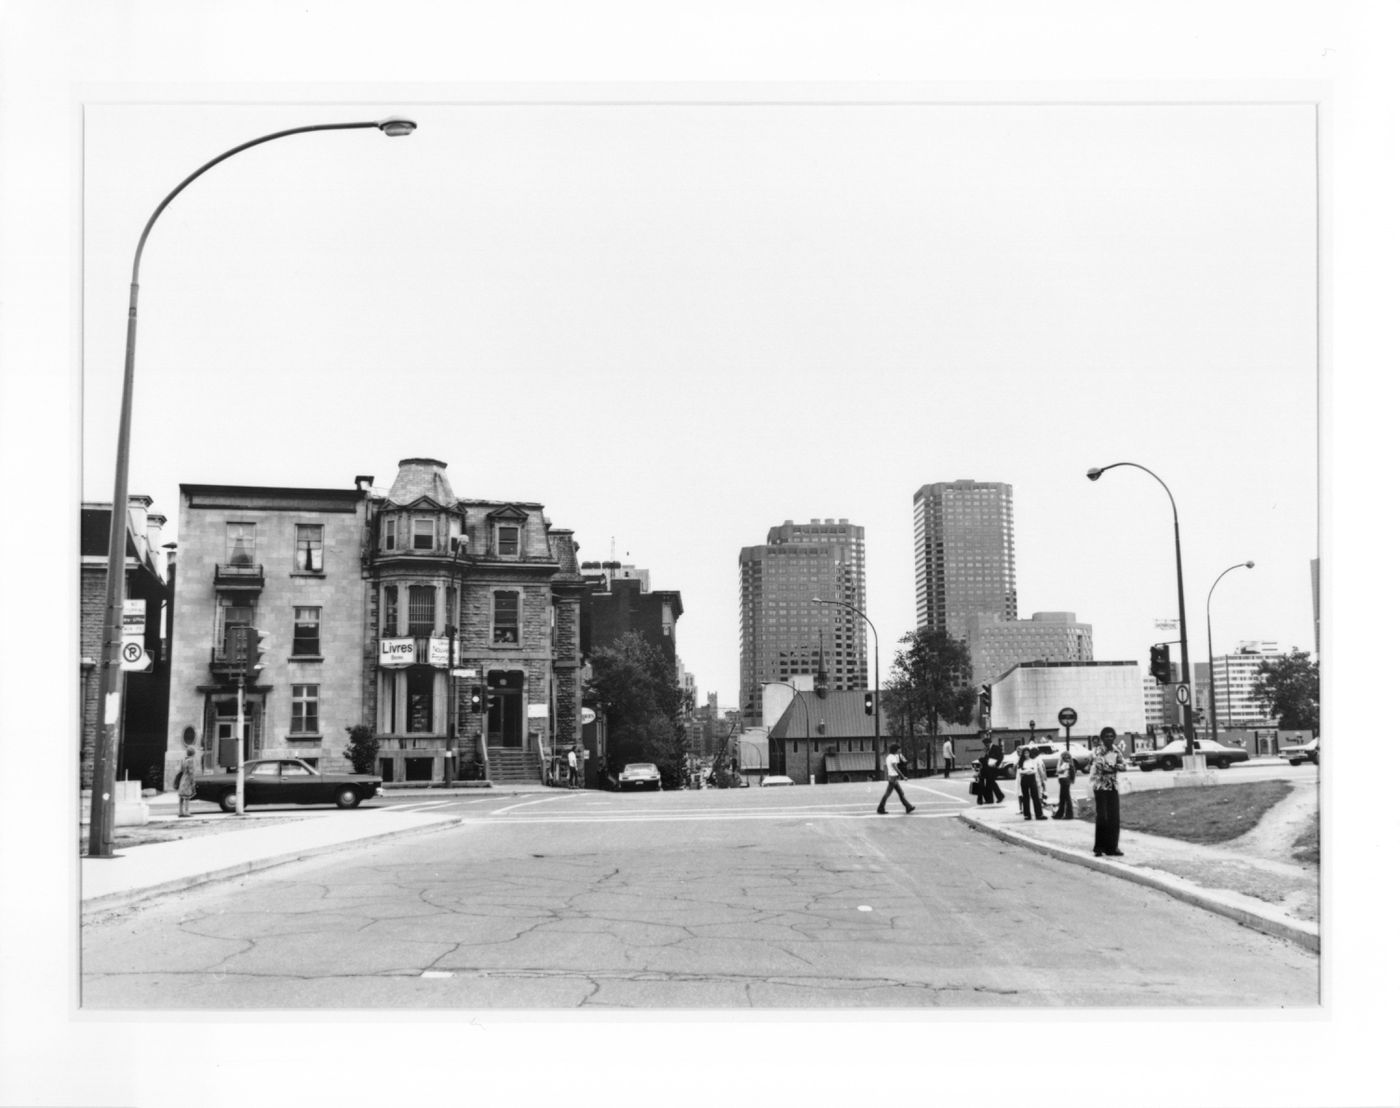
x,y
1030,774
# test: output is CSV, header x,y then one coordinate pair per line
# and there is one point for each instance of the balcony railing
x,y
238,575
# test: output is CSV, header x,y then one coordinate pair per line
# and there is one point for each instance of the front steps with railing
x,y
512,765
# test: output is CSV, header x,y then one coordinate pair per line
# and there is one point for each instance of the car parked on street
x,y
776,779
1172,756
1297,755
1049,755
286,781
639,775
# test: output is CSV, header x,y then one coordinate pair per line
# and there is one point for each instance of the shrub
x,y
363,749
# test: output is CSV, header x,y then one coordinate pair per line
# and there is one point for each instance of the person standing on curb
x,y
947,757
184,781
1065,810
573,767
1108,763
991,766
1031,772
893,775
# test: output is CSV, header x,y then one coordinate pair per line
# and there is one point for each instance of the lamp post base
x,y
1194,772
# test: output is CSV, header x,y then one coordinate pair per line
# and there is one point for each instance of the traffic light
x,y
870,704
255,646
1160,663
478,698
984,700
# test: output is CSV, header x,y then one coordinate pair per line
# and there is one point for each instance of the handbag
x,y
972,787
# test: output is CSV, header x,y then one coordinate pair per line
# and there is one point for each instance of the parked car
x,y
1297,755
286,781
1049,754
639,775
776,779
1171,756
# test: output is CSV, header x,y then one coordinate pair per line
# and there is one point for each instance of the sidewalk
x,y
1275,897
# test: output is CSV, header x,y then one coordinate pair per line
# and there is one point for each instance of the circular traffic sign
x,y
1068,717
132,651
1183,694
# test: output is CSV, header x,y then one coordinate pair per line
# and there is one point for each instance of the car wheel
x,y
1170,763
347,798
229,801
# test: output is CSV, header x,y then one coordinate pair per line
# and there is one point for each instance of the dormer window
x,y
424,534
508,540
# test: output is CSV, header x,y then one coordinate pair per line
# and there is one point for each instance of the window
x,y
391,533
306,631
305,705
310,538
505,617
422,610
291,769
420,685
389,625
424,534
508,540
231,640
242,542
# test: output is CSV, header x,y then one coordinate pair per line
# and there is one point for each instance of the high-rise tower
x,y
964,554
783,634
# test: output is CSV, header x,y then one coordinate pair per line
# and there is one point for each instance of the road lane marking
x,y
698,817
940,792
423,806
527,803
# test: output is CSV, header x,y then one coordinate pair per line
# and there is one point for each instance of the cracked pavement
x,y
808,910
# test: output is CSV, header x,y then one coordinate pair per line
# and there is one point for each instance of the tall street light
x,y
1210,649
1093,475
806,723
111,686
852,607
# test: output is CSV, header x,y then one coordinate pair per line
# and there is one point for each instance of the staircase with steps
x,y
512,765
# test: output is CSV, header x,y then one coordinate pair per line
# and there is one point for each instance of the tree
x,y
635,685
931,680
1289,687
363,748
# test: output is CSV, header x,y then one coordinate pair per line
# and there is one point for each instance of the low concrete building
x,y
1103,694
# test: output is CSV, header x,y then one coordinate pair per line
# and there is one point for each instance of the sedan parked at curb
x,y
776,779
1297,755
1172,756
286,781
639,775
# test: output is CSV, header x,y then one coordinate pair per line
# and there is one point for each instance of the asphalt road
x,y
753,898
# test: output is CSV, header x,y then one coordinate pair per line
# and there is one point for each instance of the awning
x,y
852,761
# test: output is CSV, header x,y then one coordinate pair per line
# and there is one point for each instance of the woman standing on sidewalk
x,y
184,781
1104,777
1032,774
1065,810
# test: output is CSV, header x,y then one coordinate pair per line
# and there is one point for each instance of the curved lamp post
x,y
1093,475
111,678
852,607
1210,650
806,722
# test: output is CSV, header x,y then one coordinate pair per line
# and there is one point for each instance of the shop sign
x,y
396,653
438,651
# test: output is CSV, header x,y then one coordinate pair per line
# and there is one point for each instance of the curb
x,y
1257,915
111,902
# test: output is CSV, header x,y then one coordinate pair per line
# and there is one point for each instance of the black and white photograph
x,y
612,568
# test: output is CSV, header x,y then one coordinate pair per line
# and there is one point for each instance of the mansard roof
x,y
419,480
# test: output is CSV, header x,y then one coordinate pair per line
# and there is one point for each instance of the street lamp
x,y
852,607
1093,475
1210,649
111,686
806,723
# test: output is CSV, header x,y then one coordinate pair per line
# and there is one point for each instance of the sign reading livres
x,y
396,653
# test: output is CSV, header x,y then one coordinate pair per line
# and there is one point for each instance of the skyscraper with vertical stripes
x,y
782,633
964,554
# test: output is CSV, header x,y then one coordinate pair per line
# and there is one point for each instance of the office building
x,y
782,632
964,554
995,643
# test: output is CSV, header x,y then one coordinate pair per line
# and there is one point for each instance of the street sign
x,y
1183,694
134,657
133,619
1068,717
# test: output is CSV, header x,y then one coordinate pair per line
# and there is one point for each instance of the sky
x,y
680,321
